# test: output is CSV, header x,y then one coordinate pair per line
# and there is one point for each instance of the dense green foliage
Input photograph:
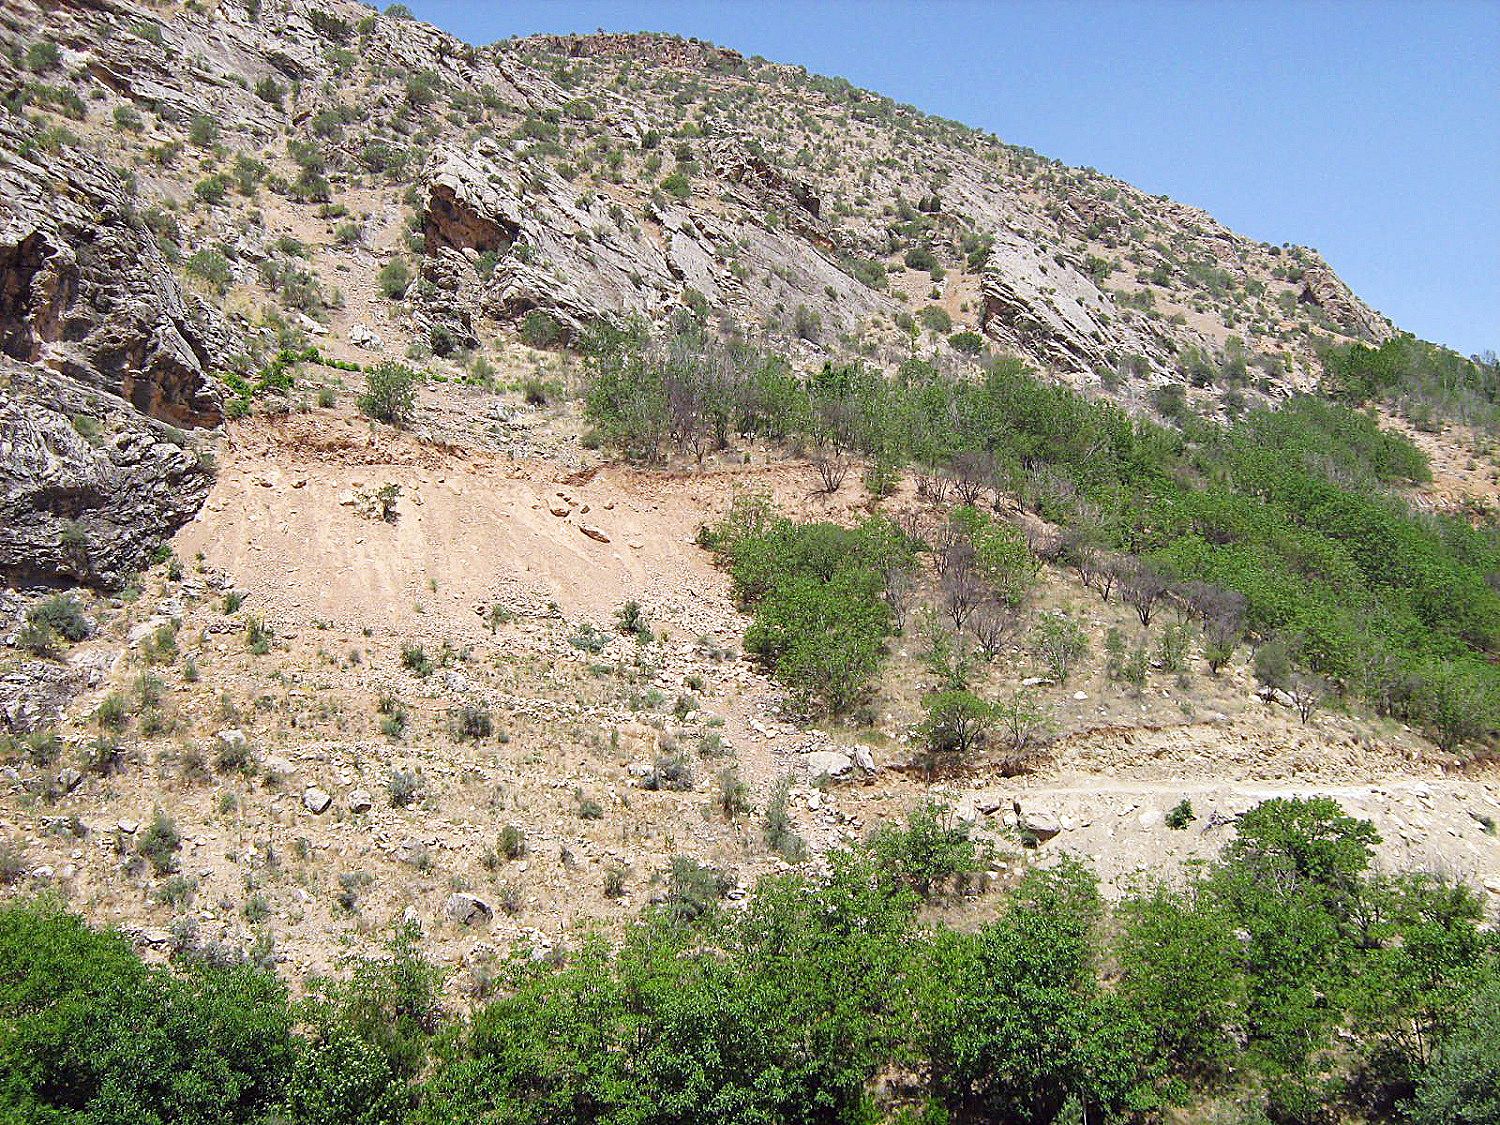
x,y
1425,382
1285,977
817,592
1295,511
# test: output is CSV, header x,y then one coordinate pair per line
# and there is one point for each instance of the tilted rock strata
x,y
105,363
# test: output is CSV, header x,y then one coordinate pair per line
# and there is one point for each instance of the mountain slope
x,y
602,175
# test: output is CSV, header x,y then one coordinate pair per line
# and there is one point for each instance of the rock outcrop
x,y
1322,288
580,260
1049,309
105,369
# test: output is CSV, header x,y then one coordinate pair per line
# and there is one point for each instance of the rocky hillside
x,y
188,187
348,587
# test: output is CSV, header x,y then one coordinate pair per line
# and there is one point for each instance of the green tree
x,y
1180,972
1011,1019
87,1032
956,721
1460,1086
390,393
1292,880
928,851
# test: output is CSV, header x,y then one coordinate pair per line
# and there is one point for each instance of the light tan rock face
x,y
1051,310
579,264
795,181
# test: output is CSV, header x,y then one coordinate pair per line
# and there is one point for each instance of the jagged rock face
x,y
763,187
1038,306
1321,287
577,262
104,363
661,50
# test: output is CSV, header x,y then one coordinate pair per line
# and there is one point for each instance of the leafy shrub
x,y
926,853
403,788
818,596
631,620
390,393
1180,815
393,716
935,319
470,720
1459,1085
271,91
512,844
780,835
233,756
113,712
92,1033
807,324
13,867
212,189
60,614
159,843
956,721
540,330
671,771
212,267
37,640
867,271
42,56
734,794
920,258
1059,642
677,185
258,636
393,279
1284,975
693,889
967,342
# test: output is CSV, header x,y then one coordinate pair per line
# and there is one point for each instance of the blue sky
x,y
1370,131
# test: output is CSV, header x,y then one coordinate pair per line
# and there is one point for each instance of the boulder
x,y
828,763
315,800
68,779
593,533
367,338
988,802
467,910
1041,823
360,801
